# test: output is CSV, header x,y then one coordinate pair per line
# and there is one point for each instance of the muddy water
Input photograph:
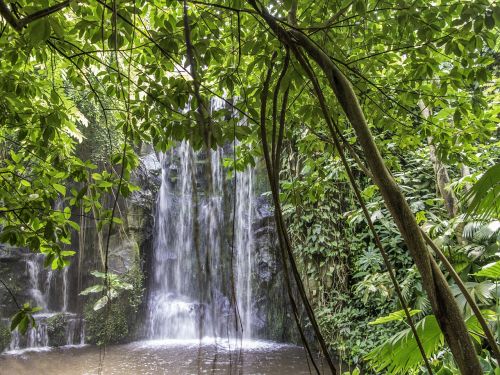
x,y
172,357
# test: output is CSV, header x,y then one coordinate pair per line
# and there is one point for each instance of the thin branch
x,y
11,294
19,24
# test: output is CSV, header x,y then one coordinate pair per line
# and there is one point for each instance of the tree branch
x,y
19,24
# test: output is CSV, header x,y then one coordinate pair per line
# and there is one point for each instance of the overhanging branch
x,y
18,24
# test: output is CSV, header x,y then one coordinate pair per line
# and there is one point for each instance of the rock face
x,y
273,320
61,320
130,256
13,270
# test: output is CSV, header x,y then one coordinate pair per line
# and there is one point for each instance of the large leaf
x,y
481,293
475,328
491,271
101,302
394,316
400,353
484,196
92,289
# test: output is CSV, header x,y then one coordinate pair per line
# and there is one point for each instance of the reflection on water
x,y
172,357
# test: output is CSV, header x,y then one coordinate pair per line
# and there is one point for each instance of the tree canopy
x,y
382,86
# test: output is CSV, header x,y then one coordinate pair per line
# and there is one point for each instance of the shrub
x,y
5,336
107,325
56,329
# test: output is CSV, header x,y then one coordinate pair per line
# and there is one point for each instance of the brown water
x,y
161,357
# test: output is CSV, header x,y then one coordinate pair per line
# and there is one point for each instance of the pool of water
x,y
172,357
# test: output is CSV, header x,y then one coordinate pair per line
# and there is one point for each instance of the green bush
x,y
108,325
56,329
5,336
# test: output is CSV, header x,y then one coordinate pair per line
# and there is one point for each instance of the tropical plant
x,y
110,287
311,79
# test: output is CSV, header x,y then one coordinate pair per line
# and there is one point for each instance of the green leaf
x,y
16,320
24,324
105,184
491,271
92,289
59,188
360,7
39,30
67,212
101,302
484,196
475,328
400,354
394,316
49,258
117,220
489,21
98,274
15,157
67,253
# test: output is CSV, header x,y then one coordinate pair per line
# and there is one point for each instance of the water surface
x,y
172,357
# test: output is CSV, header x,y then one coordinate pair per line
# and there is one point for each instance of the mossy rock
x,y
107,325
5,336
56,329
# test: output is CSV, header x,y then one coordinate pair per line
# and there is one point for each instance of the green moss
x,y
5,336
56,329
106,326
136,278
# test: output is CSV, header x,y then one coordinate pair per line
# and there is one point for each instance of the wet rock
x,y
263,207
123,254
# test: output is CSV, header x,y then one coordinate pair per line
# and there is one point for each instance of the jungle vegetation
x,y
377,121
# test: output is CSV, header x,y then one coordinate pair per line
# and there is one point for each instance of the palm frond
x,y
481,232
399,315
484,196
491,271
400,354
481,293
489,231
470,229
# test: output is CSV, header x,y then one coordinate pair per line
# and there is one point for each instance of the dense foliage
x,y
425,74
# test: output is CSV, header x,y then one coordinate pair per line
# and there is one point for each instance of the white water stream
x,y
191,296
201,284
45,292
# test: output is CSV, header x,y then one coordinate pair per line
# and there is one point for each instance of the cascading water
x,y
201,282
243,243
39,280
171,306
44,292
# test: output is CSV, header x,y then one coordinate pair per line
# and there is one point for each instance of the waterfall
x,y
45,292
65,290
172,307
243,243
39,280
196,267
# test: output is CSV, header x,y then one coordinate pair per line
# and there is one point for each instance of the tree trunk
x,y
441,298
440,170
